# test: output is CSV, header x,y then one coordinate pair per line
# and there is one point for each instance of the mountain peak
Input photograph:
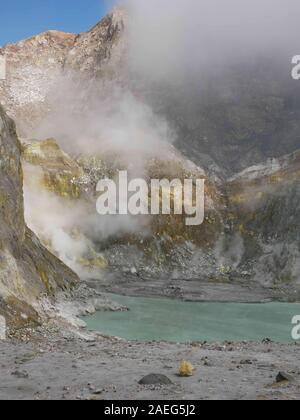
x,y
116,20
119,14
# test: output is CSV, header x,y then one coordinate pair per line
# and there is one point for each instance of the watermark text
x,y
296,328
139,197
296,67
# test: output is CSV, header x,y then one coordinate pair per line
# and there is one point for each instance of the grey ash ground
x,y
50,364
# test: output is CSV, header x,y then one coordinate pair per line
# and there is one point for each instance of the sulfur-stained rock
x,y
59,173
27,269
230,244
251,229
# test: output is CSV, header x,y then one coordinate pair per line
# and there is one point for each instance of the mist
x,y
102,117
188,45
174,39
72,234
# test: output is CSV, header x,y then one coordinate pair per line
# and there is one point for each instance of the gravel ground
x,y
54,363
188,289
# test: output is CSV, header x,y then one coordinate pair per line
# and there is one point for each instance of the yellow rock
x,y
59,173
186,369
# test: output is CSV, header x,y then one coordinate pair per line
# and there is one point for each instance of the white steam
x,y
172,40
101,118
69,228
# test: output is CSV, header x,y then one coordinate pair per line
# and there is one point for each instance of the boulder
x,y
155,379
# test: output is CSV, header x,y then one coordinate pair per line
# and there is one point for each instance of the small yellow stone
x,y
186,369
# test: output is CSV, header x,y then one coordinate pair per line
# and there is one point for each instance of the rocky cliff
x,y
33,66
27,270
38,66
250,234
265,199
245,120
228,123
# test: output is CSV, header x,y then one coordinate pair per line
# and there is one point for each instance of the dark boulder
x,y
155,379
284,377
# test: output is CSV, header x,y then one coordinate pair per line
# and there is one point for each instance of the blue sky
x,y
21,19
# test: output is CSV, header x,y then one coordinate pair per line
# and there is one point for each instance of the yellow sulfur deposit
x,y
186,369
59,173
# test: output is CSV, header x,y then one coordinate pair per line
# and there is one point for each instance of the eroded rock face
x,y
38,66
27,269
60,172
64,183
266,203
228,124
32,68
250,232
100,51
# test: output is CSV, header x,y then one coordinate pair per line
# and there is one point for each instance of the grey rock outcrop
x,y
39,66
27,270
243,119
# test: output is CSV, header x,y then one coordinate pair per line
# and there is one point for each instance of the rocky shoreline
x,y
61,360
194,290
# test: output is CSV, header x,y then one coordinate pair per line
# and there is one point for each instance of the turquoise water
x,y
177,321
